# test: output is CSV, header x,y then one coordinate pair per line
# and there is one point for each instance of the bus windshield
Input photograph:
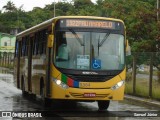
x,y
89,50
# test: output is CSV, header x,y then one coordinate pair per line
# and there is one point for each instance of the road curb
x,y
144,101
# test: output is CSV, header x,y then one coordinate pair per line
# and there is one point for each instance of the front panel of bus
x,y
88,59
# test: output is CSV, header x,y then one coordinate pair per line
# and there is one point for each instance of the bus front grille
x,y
90,78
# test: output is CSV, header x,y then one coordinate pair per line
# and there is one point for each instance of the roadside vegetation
x,y
142,87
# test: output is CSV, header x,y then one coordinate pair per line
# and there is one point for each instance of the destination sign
x,y
87,23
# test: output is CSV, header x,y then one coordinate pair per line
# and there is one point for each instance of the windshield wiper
x,y
76,36
104,39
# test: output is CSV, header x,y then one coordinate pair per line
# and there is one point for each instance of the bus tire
x,y
45,101
42,93
103,105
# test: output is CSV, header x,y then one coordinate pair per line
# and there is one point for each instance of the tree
x,y
79,4
15,19
62,8
84,7
10,7
38,15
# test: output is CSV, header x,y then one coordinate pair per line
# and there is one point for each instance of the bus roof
x,y
50,21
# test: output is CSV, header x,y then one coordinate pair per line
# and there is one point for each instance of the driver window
x,y
63,50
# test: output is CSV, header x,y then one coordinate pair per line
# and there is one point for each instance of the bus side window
x,y
44,41
16,49
33,41
23,46
20,44
26,45
36,44
39,42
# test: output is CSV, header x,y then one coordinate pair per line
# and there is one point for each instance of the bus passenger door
x,y
30,63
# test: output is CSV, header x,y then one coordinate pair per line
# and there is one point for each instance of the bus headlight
x,y
60,83
118,85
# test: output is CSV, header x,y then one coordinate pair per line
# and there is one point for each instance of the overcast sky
x,y
28,5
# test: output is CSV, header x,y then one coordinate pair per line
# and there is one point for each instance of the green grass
x,y
156,90
129,87
142,88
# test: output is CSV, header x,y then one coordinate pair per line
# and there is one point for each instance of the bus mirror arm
x,y
50,40
128,49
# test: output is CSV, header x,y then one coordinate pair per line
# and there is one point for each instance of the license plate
x,y
89,95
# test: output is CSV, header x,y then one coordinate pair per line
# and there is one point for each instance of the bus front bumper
x,y
58,92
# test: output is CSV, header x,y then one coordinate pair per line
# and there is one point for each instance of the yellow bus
x,y
79,58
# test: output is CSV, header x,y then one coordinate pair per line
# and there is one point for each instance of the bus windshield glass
x,y
89,50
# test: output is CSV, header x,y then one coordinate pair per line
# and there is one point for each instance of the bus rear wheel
x,y
24,93
103,105
42,94
46,102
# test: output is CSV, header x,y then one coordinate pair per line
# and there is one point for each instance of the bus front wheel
x,y
103,105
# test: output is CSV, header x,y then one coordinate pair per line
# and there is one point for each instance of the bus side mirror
x,y
50,40
128,49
